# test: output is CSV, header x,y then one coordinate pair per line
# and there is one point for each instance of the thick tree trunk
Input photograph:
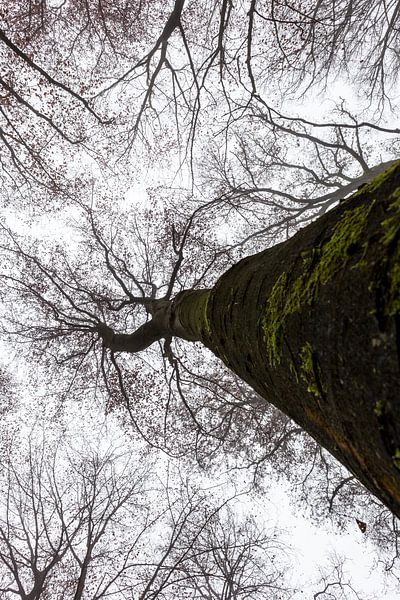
x,y
313,325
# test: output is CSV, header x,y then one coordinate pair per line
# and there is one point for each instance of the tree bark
x,y
313,325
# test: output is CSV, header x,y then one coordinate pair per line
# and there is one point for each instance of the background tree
x,y
64,519
229,562
335,585
105,527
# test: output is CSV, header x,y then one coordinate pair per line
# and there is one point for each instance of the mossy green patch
x,y
288,297
378,408
306,359
311,371
376,183
396,458
306,256
274,320
392,223
391,240
392,301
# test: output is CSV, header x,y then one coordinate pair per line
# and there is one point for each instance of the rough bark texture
x,y
313,325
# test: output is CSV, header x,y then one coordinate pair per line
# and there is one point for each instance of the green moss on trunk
x,y
328,259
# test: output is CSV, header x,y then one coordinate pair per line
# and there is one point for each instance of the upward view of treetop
x,y
201,226
106,76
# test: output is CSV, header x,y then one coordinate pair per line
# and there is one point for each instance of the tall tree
x,y
311,324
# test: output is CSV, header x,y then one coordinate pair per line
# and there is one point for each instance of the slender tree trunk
x,y
313,325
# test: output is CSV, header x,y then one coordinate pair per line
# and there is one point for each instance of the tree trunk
x,y
313,325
